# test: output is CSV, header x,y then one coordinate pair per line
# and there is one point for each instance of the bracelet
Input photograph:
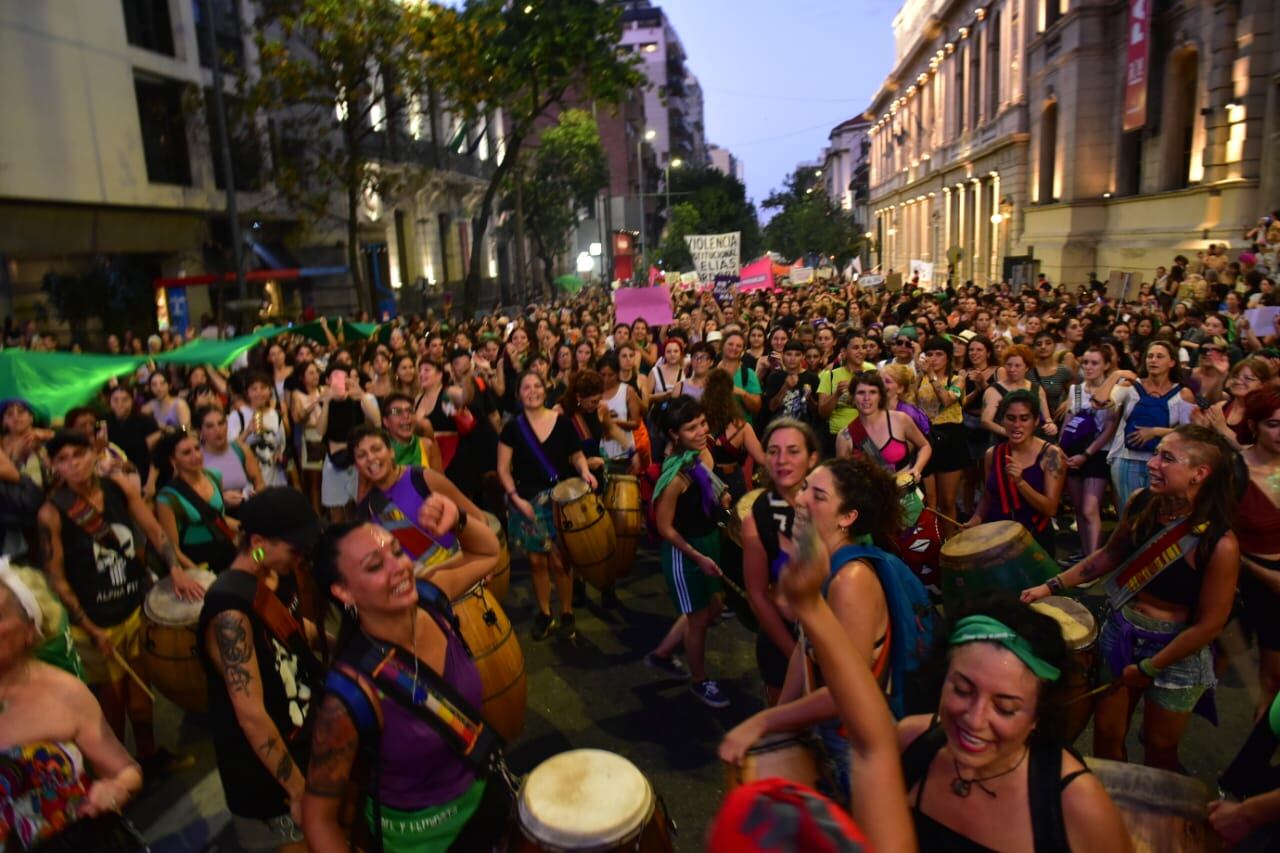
x,y
1148,668
461,524
1055,585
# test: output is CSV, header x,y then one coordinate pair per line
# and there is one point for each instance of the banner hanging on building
x,y
715,254
1137,64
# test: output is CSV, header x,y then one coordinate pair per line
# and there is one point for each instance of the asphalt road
x,y
597,693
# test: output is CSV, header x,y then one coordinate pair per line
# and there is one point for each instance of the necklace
x,y
961,786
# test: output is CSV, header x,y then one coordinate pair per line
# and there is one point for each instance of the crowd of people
x,y
320,502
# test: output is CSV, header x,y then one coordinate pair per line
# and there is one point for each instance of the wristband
x,y
461,524
1055,585
1148,668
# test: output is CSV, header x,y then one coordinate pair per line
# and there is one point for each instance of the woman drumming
x,y
1087,431
418,791
52,726
1015,364
1258,529
888,438
1150,409
939,394
985,773
1228,416
791,450
686,499
1025,474
1156,643
593,422
537,449
190,505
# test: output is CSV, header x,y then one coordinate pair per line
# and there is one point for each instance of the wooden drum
x,y
794,756
499,582
1080,631
996,555
590,800
1164,812
170,646
586,531
497,654
741,510
622,499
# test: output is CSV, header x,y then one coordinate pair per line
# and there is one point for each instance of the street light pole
x,y
648,136
228,173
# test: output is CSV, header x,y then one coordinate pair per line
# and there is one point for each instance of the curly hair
x,y
871,491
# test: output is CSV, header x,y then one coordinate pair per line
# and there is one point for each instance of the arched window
x,y
1178,118
1048,152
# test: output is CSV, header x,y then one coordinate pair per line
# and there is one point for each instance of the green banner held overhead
x,y
218,353
53,382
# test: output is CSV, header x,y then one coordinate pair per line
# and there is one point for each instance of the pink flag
x,y
757,275
651,304
654,274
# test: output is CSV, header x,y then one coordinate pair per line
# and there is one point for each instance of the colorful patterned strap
x,y
1161,551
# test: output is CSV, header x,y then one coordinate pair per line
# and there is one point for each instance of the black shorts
x,y
771,661
1094,468
950,449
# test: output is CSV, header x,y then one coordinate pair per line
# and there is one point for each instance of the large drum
x,y
586,531
1080,631
793,756
1164,812
921,547
997,555
170,646
589,799
499,582
741,510
622,499
496,651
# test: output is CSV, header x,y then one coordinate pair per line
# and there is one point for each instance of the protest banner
x,y
893,281
801,275
1117,284
1262,320
723,288
651,304
715,254
756,276
870,280
922,271
825,273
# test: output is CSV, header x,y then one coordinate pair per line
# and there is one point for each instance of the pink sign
x,y
1137,65
756,276
651,304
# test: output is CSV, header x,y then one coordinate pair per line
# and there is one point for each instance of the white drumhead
x,y
584,799
164,608
568,491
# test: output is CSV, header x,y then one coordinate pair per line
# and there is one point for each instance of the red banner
x,y
1137,65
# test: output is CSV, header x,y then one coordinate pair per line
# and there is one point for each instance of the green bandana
x,y
979,628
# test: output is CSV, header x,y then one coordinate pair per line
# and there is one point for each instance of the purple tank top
x,y
419,770
1002,503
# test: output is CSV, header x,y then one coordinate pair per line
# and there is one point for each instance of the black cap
x,y
937,343
281,513
65,437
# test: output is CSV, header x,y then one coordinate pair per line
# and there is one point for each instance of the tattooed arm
x,y
50,524
334,744
230,644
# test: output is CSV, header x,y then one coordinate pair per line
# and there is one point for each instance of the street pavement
x,y
598,694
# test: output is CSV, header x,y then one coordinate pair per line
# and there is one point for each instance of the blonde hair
x,y
51,611
904,378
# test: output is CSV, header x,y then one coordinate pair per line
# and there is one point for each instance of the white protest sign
x,y
801,275
922,271
870,280
1262,320
715,254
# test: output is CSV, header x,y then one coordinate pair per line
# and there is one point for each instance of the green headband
x,y
979,628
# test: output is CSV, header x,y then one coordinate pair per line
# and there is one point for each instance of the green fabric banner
x,y
218,353
53,382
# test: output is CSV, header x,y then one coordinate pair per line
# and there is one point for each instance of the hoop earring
x,y
257,554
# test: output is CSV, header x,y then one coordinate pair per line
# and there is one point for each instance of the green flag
x,y
53,382
217,353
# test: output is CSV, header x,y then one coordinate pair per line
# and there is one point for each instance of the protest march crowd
x,y
961,523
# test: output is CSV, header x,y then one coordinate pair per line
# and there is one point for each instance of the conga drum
x,y
1164,812
996,555
622,500
496,652
499,582
1080,631
170,645
586,531
741,510
794,756
921,548
590,800
912,502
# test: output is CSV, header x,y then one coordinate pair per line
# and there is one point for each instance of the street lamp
x,y
648,136
673,163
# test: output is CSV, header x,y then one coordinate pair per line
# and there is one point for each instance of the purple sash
x,y
535,447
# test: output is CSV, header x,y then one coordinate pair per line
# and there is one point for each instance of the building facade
x,y
723,161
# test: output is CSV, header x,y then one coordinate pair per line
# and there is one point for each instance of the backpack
x,y
1148,411
1081,428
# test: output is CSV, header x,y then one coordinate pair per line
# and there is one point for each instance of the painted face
x,y
988,707
1171,469
788,459
693,434
376,575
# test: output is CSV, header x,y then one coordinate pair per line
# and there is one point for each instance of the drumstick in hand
x,y
129,671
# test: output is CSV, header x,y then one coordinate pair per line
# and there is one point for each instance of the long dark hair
x,y
324,568
718,401
871,490
1175,372
585,383
677,413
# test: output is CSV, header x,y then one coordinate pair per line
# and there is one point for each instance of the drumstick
x,y
1110,685
946,518
129,671
733,586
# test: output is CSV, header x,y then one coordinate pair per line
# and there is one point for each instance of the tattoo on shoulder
x,y
236,649
1053,461
333,750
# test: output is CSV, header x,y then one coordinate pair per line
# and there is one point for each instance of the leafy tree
x,y
561,175
332,75
523,59
721,202
807,221
673,252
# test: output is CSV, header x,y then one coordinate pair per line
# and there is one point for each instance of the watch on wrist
x,y
461,524
1055,585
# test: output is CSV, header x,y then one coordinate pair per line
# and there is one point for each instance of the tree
x,y
807,221
561,175
523,59
332,75
673,252
721,202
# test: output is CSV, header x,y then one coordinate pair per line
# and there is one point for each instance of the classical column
x,y
962,237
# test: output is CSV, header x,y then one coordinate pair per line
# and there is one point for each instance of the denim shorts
x,y
1180,685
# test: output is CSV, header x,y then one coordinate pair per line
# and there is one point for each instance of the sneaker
x,y
709,692
568,630
162,762
543,625
1070,560
671,666
726,615
579,593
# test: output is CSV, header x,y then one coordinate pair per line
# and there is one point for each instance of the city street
x,y
599,694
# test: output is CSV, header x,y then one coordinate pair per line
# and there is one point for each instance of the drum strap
x,y
86,516
285,628
212,519
1160,551
535,447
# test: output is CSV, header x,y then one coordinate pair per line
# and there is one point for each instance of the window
x,y
147,25
226,33
1048,153
164,130
246,156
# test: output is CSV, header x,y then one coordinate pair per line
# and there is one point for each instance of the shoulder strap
x,y
237,450
214,521
920,753
535,447
419,481
85,516
1044,790
285,628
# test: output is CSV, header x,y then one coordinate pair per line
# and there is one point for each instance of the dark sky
x,y
777,75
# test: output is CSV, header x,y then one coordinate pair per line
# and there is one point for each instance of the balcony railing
x,y
400,148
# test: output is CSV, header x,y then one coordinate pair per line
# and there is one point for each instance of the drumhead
x,y
162,607
1151,788
569,490
1079,628
584,799
905,480
743,507
495,524
983,538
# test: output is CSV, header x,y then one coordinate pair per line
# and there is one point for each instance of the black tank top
x,y
344,416
691,519
107,580
774,518
288,689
